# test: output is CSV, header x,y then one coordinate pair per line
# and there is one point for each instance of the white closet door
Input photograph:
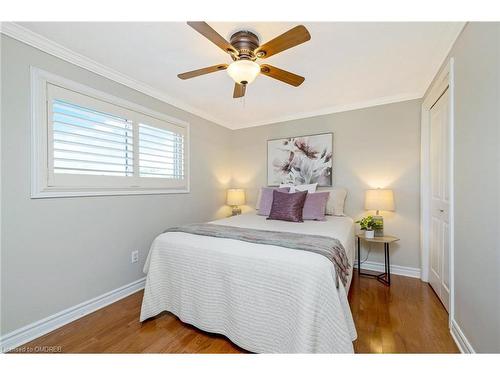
x,y
439,275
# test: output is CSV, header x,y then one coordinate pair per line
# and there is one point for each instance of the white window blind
x,y
160,153
90,143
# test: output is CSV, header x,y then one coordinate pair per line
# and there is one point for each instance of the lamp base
x,y
379,232
236,211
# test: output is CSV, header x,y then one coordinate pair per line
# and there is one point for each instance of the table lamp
x,y
235,198
379,200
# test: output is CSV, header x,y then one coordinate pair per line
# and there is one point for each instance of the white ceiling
x,y
346,65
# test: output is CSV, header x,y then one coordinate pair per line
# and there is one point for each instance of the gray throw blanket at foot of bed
x,y
330,248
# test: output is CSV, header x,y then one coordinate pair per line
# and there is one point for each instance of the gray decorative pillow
x,y
287,206
314,206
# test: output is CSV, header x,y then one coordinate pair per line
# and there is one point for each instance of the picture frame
x,y
298,160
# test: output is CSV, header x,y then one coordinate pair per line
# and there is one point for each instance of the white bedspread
x,y
266,299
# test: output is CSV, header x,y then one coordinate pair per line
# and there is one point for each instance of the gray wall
x,y
57,253
373,147
477,184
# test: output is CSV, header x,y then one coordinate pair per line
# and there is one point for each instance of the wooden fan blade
x,y
239,90
281,75
204,29
199,72
291,38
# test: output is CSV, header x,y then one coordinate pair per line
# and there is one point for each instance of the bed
x,y
264,298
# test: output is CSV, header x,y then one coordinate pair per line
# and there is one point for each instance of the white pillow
x,y
311,188
336,200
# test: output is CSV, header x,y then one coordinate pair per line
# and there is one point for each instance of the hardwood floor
x,y
404,318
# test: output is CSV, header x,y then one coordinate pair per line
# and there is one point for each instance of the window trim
x,y
39,141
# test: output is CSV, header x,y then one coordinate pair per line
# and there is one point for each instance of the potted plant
x,y
369,224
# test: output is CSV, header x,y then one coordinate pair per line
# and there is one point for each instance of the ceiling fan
x,y
245,48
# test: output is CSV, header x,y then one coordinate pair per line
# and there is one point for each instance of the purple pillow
x,y
266,199
315,205
287,206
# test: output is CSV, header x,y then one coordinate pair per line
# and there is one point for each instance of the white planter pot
x,y
369,233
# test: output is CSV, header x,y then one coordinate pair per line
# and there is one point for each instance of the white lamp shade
x,y
379,199
243,71
235,197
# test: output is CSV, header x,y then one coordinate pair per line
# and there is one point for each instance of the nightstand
x,y
385,277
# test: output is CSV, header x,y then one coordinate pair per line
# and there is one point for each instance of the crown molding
x,y
442,62
336,109
46,45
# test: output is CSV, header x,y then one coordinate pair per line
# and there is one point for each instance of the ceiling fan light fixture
x,y
243,71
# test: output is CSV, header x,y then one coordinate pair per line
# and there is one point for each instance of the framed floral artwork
x,y
300,160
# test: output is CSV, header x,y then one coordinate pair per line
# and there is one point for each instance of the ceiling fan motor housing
x,y
245,42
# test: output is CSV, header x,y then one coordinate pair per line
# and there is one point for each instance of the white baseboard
x,y
460,339
31,331
395,269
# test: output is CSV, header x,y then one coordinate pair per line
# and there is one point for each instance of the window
x,y
88,143
92,143
160,153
